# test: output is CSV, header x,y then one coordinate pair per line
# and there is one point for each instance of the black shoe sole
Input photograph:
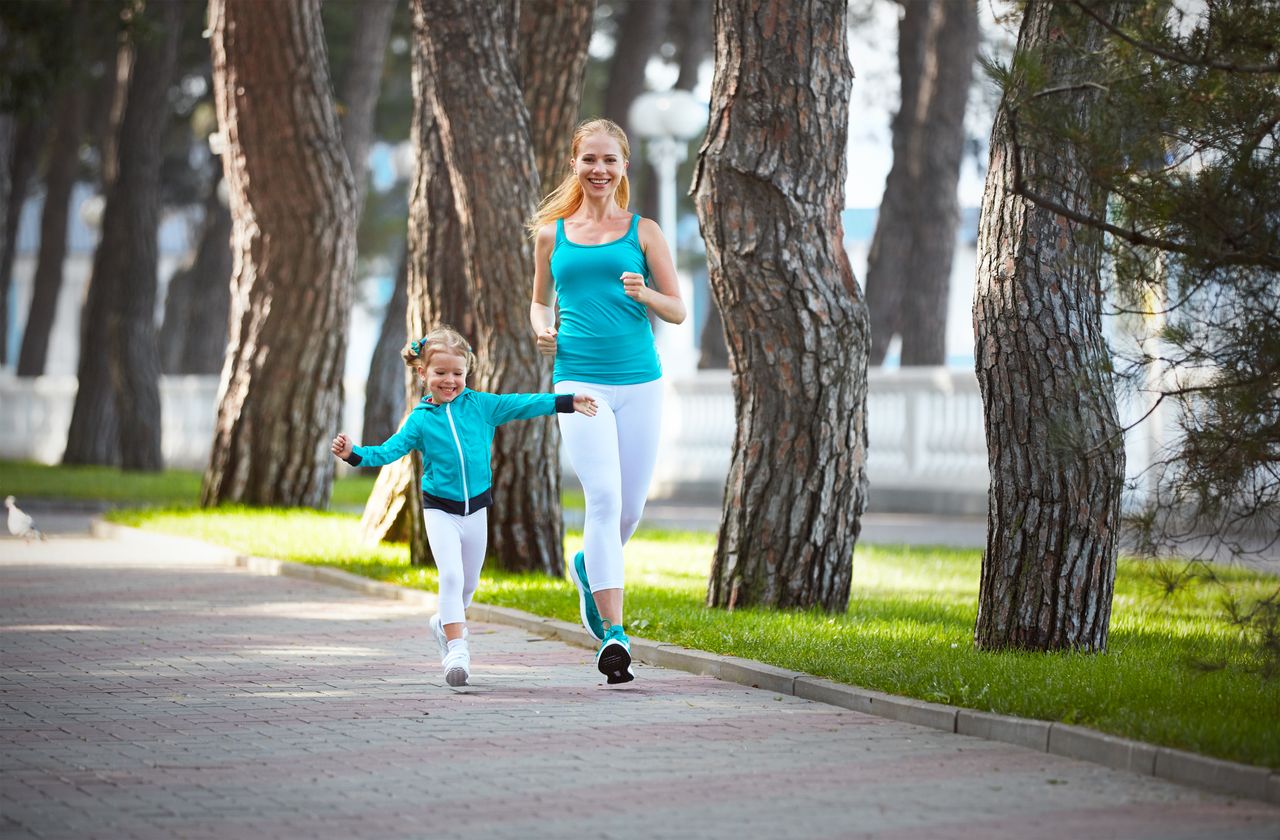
x,y
615,664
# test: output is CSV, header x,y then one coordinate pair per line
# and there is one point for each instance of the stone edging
x,y
1226,777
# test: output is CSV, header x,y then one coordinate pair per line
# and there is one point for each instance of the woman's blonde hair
x,y
442,338
566,198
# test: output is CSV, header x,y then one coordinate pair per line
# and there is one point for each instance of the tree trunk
x,y
359,98
889,260
691,31
1054,445
194,336
20,161
383,396
553,60
474,93
794,317
93,436
641,28
435,294
384,390
7,136
360,89
61,168
953,45
292,208
713,353
130,222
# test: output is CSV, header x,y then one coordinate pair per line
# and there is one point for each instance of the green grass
x,y
1176,673
108,484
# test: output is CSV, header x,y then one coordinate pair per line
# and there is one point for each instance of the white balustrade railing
x,y
926,442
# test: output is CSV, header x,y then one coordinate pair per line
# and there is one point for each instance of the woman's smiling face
x,y
599,165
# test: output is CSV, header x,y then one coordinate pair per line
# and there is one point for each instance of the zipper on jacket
x,y
462,462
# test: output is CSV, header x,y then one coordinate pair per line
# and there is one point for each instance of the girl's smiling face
x,y
445,374
599,165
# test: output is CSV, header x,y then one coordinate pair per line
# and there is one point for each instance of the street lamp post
x,y
667,120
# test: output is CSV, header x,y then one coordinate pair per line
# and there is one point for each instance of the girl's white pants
x,y
458,544
613,454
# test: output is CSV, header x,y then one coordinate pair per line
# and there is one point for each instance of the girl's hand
x,y
547,341
633,285
341,446
584,405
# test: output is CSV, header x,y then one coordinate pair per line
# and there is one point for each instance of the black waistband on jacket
x,y
475,503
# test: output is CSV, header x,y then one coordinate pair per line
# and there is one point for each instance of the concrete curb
x,y
1225,777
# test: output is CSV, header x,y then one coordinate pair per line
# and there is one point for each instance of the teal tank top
x,y
604,336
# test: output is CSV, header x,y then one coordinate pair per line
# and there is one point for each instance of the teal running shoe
x,y
614,657
586,603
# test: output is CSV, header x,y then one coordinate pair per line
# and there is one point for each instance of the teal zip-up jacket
x,y
455,440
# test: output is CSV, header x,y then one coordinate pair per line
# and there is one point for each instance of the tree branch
x,y
1179,58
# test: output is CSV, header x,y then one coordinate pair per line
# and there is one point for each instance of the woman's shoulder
x,y
546,235
646,225
646,229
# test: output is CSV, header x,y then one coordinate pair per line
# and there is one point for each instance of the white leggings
x,y
458,544
613,454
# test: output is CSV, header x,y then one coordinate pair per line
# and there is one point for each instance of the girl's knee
x,y
450,580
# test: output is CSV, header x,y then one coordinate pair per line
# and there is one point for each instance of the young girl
x,y
453,429
592,256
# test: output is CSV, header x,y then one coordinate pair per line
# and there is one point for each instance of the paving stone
x,y
147,695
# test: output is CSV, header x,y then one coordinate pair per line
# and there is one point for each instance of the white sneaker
x,y
442,641
457,663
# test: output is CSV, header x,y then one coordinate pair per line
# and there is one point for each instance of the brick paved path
x,y
147,696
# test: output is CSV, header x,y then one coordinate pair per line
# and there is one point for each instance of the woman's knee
x,y
604,506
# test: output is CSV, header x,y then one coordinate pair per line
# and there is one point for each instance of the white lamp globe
x,y
684,116
645,115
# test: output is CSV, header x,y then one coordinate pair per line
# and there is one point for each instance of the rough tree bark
x,y
435,293
193,338
61,167
1053,441
948,69
134,205
553,61
889,259
794,317
482,117
292,206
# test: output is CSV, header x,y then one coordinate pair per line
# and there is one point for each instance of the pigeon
x,y
20,523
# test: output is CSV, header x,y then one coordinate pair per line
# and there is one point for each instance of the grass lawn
x,y
1176,673
108,484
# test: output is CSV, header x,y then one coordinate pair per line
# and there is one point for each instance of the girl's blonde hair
x,y
566,198
442,338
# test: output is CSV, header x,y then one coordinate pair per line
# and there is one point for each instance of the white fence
x,y
926,447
